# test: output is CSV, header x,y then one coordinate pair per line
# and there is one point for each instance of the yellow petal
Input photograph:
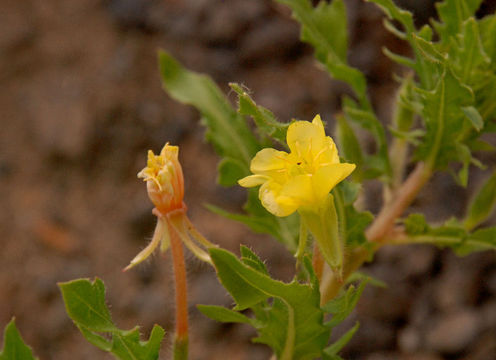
x,y
267,160
329,176
329,153
275,203
305,138
299,188
252,180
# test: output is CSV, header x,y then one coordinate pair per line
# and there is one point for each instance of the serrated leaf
x,y
264,119
451,234
467,55
483,203
332,351
251,259
452,13
295,308
85,304
341,306
14,347
222,314
127,345
226,129
325,28
379,162
396,13
443,119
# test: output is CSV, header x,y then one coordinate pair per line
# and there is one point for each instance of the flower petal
x,y
252,180
329,176
299,188
305,138
268,160
273,201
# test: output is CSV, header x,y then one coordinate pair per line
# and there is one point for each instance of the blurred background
x,y
81,103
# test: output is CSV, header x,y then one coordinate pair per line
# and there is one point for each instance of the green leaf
x,y
451,234
265,120
482,205
349,146
341,306
127,345
393,12
325,28
474,117
443,119
14,347
280,228
415,224
226,129
221,314
85,304
470,62
452,13
230,171
293,325
333,350
378,164
480,240
251,259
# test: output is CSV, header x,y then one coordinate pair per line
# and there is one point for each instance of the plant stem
x,y
180,348
377,233
402,198
317,261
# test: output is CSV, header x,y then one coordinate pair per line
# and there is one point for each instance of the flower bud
x,y
164,177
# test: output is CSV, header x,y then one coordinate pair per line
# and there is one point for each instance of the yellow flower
x,y
301,179
165,186
164,177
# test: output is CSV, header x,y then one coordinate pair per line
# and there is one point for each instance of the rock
x,y
271,40
16,25
409,339
129,13
60,114
453,332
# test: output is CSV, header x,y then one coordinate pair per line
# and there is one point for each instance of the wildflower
x,y
165,186
301,180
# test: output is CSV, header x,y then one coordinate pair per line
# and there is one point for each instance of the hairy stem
x,y
377,233
181,337
402,198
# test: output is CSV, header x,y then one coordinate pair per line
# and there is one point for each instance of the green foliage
x,y
85,304
226,129
450,234
287,316
343,305
457,80
352,223
331,352
14,347
482,205
325,28
232,139
267,124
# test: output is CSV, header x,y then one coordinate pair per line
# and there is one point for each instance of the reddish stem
x,y
317,261
181,285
